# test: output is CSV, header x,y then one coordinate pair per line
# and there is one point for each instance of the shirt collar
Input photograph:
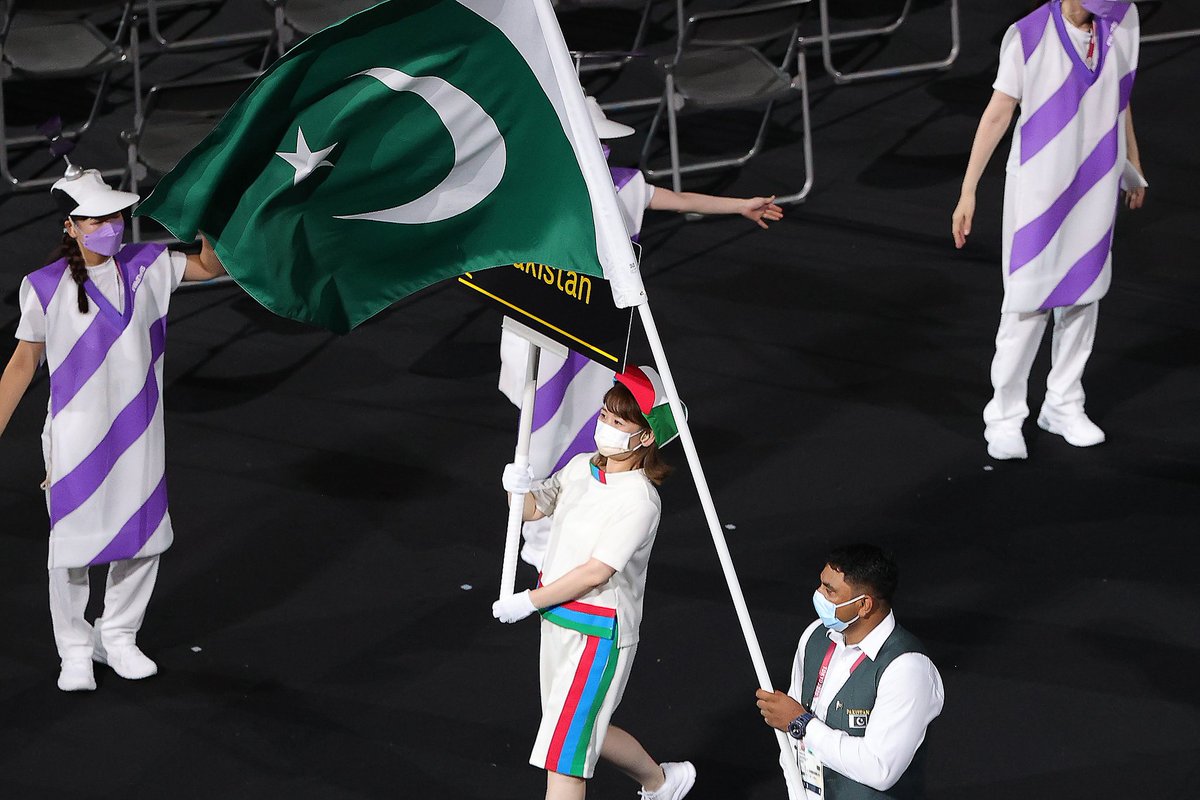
x,y
610,478
874,640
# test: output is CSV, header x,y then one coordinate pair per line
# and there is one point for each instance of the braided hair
x,y
69,249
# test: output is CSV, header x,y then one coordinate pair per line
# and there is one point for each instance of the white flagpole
x,y
791,769
512,542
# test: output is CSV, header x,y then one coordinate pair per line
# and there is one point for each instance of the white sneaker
x,y
76,675
127,660
680,776
1007,446
1077,429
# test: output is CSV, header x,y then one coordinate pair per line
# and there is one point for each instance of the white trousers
x,y
126,595
1017,343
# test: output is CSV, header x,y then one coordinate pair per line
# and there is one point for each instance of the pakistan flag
x,y
410,143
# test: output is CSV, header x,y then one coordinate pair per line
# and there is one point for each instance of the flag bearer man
x,y
863,690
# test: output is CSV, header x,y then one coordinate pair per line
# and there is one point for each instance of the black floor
x,y
322,623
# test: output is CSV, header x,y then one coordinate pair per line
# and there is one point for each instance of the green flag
x,y
410,143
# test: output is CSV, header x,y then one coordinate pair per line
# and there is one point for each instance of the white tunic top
x,y
612,517
1068,155
103,438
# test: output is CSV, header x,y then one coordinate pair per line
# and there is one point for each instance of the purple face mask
x,y
1101,8
106,239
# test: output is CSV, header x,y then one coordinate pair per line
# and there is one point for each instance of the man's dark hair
x,y
867,567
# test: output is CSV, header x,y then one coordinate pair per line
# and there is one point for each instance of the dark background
x,y
322,623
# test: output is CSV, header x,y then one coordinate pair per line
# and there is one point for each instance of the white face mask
x,y
611,441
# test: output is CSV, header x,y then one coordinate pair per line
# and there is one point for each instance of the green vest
x,y
852,703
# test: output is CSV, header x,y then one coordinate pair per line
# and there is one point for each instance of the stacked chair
x,y
43,40
721,62
828,38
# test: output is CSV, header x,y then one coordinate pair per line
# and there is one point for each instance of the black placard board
x,y
571,308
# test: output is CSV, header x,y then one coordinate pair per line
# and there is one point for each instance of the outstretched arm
x,y
17,376
992,127
755,209
205,265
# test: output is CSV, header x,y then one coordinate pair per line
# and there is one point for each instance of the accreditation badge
x,y
812,773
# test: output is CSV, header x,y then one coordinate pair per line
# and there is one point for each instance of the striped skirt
x,y
583,679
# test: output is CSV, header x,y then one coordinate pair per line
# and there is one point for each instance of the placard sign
x,y
569,307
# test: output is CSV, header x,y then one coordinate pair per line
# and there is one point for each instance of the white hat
x,y
92,197
605,127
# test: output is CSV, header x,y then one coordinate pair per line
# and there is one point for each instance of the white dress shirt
x,y
910,696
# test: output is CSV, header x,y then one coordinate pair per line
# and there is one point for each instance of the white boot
x,y
1077,429
76,675
126,660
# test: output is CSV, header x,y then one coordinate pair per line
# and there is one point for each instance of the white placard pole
x,y
516,508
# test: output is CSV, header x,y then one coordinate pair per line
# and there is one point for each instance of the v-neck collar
x,y
102,303
1064,38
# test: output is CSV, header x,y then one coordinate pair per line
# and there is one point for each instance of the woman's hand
x,y
758,209
1134,198
513,607
961,221
205,265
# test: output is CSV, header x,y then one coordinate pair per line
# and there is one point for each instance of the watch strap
x,y
798,726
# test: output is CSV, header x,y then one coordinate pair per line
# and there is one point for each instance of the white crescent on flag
x,y
479,153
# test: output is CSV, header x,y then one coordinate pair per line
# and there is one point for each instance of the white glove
x,y
517,479
514,607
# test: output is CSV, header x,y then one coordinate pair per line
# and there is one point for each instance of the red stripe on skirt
x,y
571,706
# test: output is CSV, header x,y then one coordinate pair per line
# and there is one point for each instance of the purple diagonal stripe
x,y
584,442
1032,239
1053,115
1082,274
138,529
86,356
79,484
135,256
45,281
1127,88
1032,28
1119,17
551,393
621,176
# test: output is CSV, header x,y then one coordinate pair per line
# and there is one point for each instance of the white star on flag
x,y
304,160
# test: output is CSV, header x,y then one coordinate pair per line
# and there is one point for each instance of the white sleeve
x,y
1010,78
1133,22
546,492
32,327
910,696
633,199
178,264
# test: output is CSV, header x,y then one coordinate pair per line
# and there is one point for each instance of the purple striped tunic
x,y
103,439
1068,156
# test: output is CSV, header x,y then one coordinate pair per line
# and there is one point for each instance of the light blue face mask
x,y
827,611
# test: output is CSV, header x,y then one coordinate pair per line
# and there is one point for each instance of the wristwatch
x,y
799,725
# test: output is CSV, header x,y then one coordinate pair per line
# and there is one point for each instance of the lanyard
x,y
825,669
